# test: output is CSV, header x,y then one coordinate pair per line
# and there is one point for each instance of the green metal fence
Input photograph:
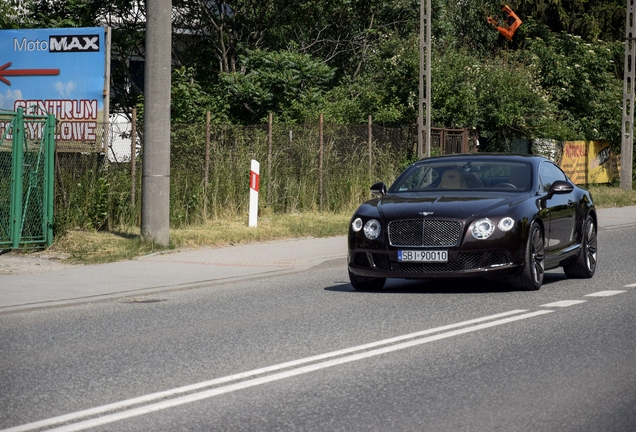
x,y
27,150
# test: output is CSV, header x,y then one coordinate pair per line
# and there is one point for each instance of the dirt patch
x,y
13,262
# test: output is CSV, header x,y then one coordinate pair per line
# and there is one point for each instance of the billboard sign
x,y
589,162
57,71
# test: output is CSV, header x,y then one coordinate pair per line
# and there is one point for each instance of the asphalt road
x,y
306,352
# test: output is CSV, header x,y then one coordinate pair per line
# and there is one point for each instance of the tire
x,y
531,277
360,283
585,265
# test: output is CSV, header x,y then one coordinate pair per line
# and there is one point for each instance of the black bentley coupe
x,y
510,217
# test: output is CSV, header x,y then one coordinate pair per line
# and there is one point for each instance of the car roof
x,y
533,159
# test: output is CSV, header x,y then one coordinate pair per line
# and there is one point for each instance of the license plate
x,y
423,256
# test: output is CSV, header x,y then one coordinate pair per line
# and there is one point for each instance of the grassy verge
x,y
90,247
611,196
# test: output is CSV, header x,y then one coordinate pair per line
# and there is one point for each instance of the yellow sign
x,y
589,162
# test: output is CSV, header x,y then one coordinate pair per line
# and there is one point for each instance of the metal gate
x,y
450,141
27,149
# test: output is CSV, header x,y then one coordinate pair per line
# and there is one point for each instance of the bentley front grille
x,y
427,232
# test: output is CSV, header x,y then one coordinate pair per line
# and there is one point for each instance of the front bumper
x,y
383,264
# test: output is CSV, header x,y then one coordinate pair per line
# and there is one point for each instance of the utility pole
x,y
424,106
627,136
155,203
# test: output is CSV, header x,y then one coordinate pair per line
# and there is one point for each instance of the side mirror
x,y
560,187
378,189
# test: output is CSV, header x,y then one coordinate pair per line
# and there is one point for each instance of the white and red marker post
x,y
254,180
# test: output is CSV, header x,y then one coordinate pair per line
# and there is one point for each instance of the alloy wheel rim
x,y
538,257
590,246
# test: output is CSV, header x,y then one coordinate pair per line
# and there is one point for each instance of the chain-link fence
x,y
26,180
97,191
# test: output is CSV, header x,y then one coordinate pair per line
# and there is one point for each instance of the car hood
x,y
450,205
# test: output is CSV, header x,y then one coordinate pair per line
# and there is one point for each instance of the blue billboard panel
x,y
57,71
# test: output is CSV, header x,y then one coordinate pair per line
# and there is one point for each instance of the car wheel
x,y
585,264
531,277
361,283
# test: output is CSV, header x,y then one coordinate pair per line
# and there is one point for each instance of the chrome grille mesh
x,y
427,232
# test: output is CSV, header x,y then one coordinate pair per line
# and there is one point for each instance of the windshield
x,y
489,175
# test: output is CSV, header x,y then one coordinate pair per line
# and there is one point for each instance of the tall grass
x,y
94,194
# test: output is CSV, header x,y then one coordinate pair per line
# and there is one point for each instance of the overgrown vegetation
x,y
95,195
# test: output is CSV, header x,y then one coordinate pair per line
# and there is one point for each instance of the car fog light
x,y
506,224
482,229
356,225
372,229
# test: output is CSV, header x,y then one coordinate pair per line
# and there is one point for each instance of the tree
x,y
464,25
189,103
590,19
271,82
69,13
583,79
385,86
14,14
499,97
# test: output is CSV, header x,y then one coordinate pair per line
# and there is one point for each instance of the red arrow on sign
x,y
23,72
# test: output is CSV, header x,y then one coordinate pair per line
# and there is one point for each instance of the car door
x,y
560,209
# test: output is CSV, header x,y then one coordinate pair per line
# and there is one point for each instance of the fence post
x,y
270,123
465,140
133,157
207,165
320,155
49,178
442,141
17,178
370,127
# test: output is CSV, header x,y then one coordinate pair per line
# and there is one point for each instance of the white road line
x,y
197,386
630,286
282,375
607,293
563,303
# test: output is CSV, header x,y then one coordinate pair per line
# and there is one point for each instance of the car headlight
x,y
356,225
372,229
483,228
506,224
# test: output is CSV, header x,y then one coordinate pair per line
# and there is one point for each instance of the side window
x,y
548,174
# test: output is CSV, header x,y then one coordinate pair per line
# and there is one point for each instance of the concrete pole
x,y
206,175
321,125
370,147
270,136
106,116
155,205
424,106
429,101
627,136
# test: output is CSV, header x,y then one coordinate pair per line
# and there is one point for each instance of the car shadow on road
x,y
443,286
